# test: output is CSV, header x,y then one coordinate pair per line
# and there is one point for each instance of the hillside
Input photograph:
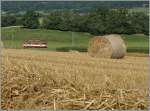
x,y
81,6
13,37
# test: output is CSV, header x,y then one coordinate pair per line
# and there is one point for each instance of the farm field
x,y
34,79
13,37
140,9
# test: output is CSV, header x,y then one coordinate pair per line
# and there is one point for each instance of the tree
x,y
8,20
66,18
140,22
52,21
97,21
30,20
119,22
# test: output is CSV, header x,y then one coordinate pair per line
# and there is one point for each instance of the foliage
x,y
98,22
30,20
8,20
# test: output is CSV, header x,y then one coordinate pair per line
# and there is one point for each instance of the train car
x,y
34,44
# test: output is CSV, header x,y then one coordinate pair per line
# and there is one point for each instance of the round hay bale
x,y
74,51
108,46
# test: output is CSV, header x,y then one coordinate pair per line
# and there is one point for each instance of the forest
x,y
100,21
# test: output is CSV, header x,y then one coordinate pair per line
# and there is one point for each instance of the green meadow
x,y
13,37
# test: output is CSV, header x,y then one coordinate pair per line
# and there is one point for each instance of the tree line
x,y
98,22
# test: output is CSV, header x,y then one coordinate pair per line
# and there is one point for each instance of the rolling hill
x,y
13,37
81,6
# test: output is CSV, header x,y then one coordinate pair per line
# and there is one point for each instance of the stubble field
x,y
71,80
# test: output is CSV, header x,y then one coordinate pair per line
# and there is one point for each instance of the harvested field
x,y
138,54
65,80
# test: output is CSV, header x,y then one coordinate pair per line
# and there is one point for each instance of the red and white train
x,y
34,44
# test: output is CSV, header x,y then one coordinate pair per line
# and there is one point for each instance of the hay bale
x,y
99,47
74,51
108,46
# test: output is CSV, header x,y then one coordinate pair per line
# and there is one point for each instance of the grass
x,y
61,40
137,43
139,9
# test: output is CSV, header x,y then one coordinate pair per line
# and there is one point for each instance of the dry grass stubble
x,y
61,80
